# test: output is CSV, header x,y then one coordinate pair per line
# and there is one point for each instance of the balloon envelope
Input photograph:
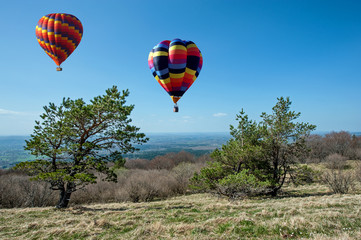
x,y
175,65
59,34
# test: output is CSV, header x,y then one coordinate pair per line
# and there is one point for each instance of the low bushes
x,y
141,182
147,185
335,161
16,190
338,180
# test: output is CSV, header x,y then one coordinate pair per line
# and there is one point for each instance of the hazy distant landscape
x,y
12,151
12,147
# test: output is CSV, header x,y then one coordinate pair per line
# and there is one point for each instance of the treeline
x,y
140,180
341,144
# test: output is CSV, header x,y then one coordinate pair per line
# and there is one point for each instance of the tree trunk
x,y
275,188
274,192
65,194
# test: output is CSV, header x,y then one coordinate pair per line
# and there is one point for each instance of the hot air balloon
x,y
59,34
175,65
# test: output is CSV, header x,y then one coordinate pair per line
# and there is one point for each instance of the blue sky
x,y
254,52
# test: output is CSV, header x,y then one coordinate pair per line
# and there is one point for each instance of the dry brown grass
x,y
309,213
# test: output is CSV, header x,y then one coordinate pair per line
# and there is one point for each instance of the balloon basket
x,y
175,109
59,69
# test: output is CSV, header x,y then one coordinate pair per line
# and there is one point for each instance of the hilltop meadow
x,y
152,199
174,120
310,212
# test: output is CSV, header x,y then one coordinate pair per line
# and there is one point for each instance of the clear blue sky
x,y
254,51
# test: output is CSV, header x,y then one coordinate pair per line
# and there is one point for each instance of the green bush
x,y
241,185
303,174
208,177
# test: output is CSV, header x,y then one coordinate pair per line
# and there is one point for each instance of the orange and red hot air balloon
x,y
175,65
59,34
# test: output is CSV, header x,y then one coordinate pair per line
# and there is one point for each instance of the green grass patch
x,y
199,230
223,227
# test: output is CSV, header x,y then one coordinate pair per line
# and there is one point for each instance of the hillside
x,y
309,213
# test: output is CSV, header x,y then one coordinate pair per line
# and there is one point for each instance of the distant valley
x,y
12,147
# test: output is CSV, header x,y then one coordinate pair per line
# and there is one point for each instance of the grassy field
x,y
309,213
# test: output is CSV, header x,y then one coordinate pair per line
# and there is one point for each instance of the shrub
x,y
145,185
358,172
342,143
338,142
208,177
317,147
339,181
137,164
162,162
304,175
16,190
354,153
135,183
241,185
335,161
170,160
182,175
101,192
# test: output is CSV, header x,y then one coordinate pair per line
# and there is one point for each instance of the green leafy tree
x,y
268,150
283,141
76,140
242,152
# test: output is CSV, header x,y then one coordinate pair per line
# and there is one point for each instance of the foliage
x,y
208,177
76,139
283,141
268,150
303,174
241,184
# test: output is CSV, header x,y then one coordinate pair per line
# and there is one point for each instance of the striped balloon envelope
x,y
59,34
175,65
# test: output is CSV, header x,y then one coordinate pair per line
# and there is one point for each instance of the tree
x,y
76,140
318,148
283,141
267,150
338,142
